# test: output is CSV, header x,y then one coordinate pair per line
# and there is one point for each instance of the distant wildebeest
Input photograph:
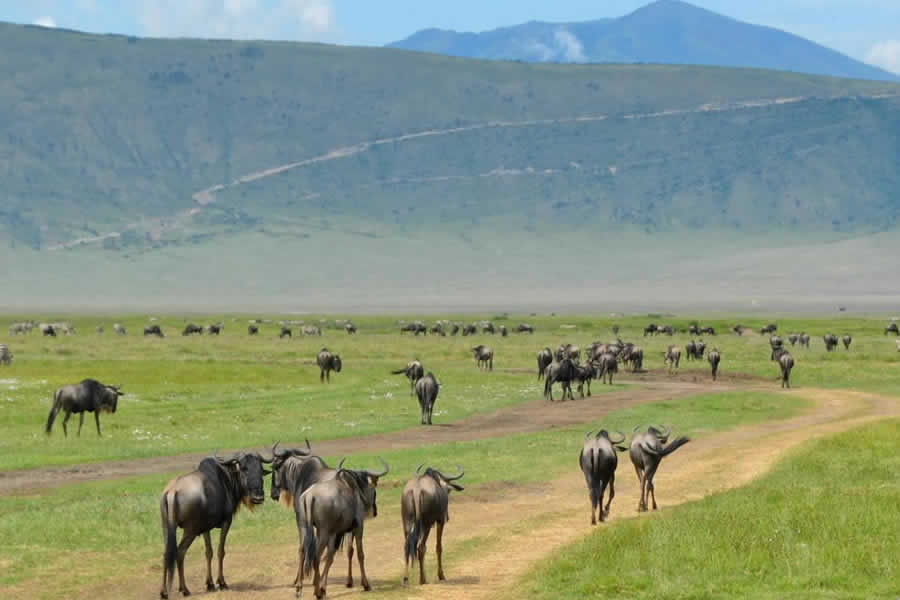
x,y
427,389
327,362
562,372
831,341
770,329
350,328
651,329
17,328
6,356
667,330
504,332
438,329
327,512
192,329
64,328
847,340
311,330
252,329
455,329
285,332
100,330
714,357
634,357
213,329
524,328
892,328
544,358
153,330
568,351
469,329
488,327
804,340
785,363
415,327
484,356
201,501
88,396
738,329
584,374
47,330
647,451
425,503
119,329
794,338
414,371
699,349
672,357
598,460
693,329
607,366
690,350
707,330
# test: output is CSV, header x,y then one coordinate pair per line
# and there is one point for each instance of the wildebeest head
x,y
278,459
249,469
442,480
110,399
336,362
366,482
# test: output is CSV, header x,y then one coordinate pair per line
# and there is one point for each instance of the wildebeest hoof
x,y
164,596
320,594
223,585
185,592
210,586
349,583
366,586
441,577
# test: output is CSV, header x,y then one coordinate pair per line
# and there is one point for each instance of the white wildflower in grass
x,y
388,395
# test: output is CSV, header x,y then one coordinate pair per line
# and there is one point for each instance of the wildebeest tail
x,y
167,508
399,371
413,538
54,410
596,490
675,445
310,544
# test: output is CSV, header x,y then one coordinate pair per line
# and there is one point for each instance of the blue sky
x,y
865,29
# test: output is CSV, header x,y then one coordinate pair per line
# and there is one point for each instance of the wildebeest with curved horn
x,y
191,329
714,357
484,356
87,396
425,503
647,451
438,329
785,363
427,389
847,340
414,371
672,357
831,342
153,330
598,461
328,362
892,328
327,512
563,372
544,358
201,501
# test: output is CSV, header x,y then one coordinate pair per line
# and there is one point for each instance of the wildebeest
x,y
153,330
252,329
598,461
425,503
88,396
584,374
892,328
647,451
285,332
327,362
568,351
119,329
201,501
484,356
524,328
770,328
350,328
690,350
311,330
607,365
785,363
415,327
470,329
563,372
427,389
738,329
651,329
666,329
633,356
707,330
414,371
438,329
794,338
100,330
714,357
693,329
455,329
831,342
23,328
327,512
192,329
544,358
699,349
504,332
804,340
47,330
5,355
213,329
847,340
672,357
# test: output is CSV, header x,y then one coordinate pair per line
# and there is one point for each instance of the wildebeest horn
x,y
341,464
588,434
459,471
635,428
269,460
618,441
383,473
419,468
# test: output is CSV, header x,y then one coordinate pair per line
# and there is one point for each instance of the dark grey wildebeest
x,y
634,357
455,329
892,328
415,327
327,362
350,328
544,358
285,332
607,366
192,329
708,330
213,329
425,503
771,328
690,350
326,513
562,372
714,357
311,330
252,329
484,356
201,501
504,332
568,351
847,340
119,329
804,340
470,329
738,329
647,451
414,371
794,338
785,363
584,374
6,356
598,461
524,328
153,330
427,389
88,396
651,329
47,330
831,341
671,357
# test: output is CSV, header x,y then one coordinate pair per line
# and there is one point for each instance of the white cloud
x,y
45,22
885,55
571,48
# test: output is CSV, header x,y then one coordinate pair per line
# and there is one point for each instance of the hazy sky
x,y
865,29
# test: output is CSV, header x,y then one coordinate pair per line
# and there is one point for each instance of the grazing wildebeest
x,y
427,389
544,358
770,328
598,460
5,355
469,329
415,327
455,329
524,328
285,332
707,330
425,503
690,350
100,330
252,329
47,330
438,329
153,330
119,329
328,362
584,374
672,357
831,342
563,372
607,365
414,371
714,357
504,332
693,329
633,356
847,340
667,330
311,330
804,340
738,329
647,451
350,328
88,396
892,328
785,363
327,512
794,338
17,328
191,329
201,501
651,329
214,329
484,356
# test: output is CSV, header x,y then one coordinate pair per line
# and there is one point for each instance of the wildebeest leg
x,y
612,494
186,540
491,364
329,560
589,387
640,476
221,580
361,557
349,562
440,550
421,552
321,375
207,539
406,559
324,542
648,479
97,421
80,422
298,580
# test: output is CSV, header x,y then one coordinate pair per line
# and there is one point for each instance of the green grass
x,y
823,524
119,520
